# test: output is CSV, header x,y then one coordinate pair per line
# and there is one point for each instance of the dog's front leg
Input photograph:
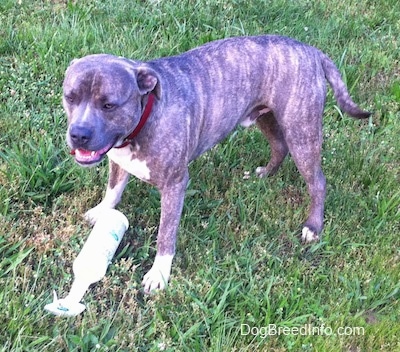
x,y
172,197
117,180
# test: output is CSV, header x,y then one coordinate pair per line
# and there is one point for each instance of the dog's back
x,y
226,82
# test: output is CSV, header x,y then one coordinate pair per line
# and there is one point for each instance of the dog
x,y
153,118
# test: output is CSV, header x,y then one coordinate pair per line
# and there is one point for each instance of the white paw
x,y
308,236
261,171
92,215
158,276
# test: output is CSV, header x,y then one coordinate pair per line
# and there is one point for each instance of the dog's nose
x,y
80,135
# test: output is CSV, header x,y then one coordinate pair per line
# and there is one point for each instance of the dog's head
x,y
104,97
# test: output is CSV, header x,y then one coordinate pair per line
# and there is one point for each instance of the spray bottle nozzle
x,y
64,307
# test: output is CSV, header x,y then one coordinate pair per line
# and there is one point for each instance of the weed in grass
x,y
12,256
37,170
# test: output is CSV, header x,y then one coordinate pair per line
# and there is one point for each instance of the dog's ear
x,y
72,62
148,81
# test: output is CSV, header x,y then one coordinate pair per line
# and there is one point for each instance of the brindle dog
x,y
191,102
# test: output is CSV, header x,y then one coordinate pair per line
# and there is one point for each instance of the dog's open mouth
x,y
88,157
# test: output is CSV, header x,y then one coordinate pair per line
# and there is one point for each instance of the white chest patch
x,y
136,167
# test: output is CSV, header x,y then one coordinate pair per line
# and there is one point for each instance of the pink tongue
x,y
84,152
86,155
83,155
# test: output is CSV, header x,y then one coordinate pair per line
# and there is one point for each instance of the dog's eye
x,y
108,106
69,99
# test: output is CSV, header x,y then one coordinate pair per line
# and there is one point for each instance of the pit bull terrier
x,y
153,118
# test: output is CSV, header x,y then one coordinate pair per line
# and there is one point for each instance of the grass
x,y
239,260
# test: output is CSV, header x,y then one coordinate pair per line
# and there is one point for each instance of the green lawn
x,y
241,279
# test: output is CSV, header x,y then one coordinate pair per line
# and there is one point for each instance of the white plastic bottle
x,y
92,262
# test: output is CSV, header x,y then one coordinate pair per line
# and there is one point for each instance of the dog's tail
x,y
340,91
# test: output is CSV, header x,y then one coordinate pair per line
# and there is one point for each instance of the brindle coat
x,y
201,96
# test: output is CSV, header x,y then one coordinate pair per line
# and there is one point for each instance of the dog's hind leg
x,y
279,149
304,140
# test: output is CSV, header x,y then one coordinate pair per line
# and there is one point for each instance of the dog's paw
x,y
265,171
308,236
261,171
92,215
158,276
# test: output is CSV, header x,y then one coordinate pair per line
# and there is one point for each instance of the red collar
x,y
143,119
